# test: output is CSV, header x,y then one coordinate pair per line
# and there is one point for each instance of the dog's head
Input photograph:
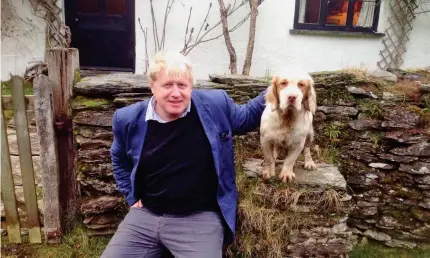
x,y
293,91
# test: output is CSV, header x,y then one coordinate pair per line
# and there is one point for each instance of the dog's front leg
x,y
269,159
309,162
287,173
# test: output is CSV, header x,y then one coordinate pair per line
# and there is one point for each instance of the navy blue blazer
x,y
221,119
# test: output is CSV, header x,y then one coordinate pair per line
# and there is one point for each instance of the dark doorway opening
x,y
104,33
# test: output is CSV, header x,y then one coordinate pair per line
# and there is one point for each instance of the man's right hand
x,y
138,204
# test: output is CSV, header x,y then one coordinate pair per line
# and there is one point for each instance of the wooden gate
x,y
50,103
19,104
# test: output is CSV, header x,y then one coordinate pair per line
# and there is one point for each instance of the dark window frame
x,y
323,16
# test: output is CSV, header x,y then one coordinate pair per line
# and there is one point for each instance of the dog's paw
x,y
287,176
310,165
266,174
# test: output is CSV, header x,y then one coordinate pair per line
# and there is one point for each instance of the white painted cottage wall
x,y
418,48
275,47
27,43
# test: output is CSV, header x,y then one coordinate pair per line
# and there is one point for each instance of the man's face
x,y
172,95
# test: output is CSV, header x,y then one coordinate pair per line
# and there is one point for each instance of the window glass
x,y
337,11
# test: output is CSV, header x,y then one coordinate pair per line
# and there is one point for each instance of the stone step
x,y
325,176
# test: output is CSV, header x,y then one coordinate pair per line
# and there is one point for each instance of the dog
x,y
287,122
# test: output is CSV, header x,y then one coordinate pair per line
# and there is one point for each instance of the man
x,y
173,160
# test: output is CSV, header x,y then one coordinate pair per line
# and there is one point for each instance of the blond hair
x,y
170,62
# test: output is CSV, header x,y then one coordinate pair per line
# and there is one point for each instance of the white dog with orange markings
x,y
287,122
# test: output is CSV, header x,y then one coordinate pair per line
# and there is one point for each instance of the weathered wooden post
x,y
48,159
63,64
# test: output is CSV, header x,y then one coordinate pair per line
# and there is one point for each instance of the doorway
x,y
104,33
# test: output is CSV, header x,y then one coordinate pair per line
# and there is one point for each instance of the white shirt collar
x,y
152,115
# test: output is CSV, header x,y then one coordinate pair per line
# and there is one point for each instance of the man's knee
x,y
135,237
199,235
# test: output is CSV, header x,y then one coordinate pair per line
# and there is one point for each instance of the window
x,y
340,15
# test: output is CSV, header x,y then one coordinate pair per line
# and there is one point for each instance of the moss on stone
x,y
423,113
420,214
91,103
8,114
409,193
77,77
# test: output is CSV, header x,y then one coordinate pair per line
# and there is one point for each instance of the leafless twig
x,y
201,38
145,35
166,14
187,41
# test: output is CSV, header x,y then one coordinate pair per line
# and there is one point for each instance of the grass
x,y
371,109
6,88
357,71
334,131
373,249
76,244
328,155
405,88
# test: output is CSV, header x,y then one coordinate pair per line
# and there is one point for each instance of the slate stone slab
x,y
326,175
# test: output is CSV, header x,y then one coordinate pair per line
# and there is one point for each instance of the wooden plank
x,y
62,65
7,102
48,159
25,160
8,189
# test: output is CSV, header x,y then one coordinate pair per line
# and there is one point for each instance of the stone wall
x,y
377,136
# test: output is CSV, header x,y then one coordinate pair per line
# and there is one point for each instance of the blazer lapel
x,y
138,134
208,125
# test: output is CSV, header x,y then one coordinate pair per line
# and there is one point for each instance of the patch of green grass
x,y
328,155
334,131
6,88
371,109
75,244
377,250
375,138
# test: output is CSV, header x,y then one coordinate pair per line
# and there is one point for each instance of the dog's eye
x,y
284,83
301,84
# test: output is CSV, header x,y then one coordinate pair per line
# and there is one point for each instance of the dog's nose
x,y
292,98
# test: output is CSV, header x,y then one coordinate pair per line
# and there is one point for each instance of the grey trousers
x,y
143,234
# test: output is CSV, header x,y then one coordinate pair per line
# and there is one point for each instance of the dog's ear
x,y
310,102
272,95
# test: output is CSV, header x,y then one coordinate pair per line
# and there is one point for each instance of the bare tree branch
x,y
145,35
201,38
166,14
204,21
250,49
227,39
186,42
154,27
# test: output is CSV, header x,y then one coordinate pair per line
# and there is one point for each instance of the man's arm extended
x,y
245,117
121,164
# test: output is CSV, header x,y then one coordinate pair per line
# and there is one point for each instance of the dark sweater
x,y
177,170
